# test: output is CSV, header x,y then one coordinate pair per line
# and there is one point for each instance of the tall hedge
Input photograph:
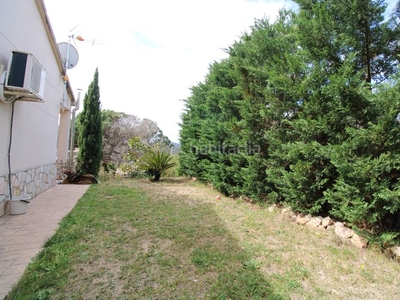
x,y
306,107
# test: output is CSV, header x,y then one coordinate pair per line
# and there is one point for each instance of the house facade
x,y
35,132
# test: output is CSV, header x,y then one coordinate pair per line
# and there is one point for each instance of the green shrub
x,y
154,163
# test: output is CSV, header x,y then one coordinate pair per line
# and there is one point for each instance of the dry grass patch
x,y
299,262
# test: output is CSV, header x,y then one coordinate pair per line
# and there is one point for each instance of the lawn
x,y
133,239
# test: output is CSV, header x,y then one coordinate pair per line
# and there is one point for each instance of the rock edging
x,y
339,228
326,223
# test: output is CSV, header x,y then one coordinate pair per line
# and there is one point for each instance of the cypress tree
x,y
91,132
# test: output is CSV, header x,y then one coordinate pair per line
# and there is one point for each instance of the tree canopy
x,y
119,128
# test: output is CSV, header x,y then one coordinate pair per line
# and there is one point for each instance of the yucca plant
x,y
154,163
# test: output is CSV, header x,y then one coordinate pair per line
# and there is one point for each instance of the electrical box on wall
x,y
25,78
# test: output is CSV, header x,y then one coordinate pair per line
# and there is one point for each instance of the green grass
x,y
119,241
131,239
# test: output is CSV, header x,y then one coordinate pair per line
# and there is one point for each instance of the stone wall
x,y
29,182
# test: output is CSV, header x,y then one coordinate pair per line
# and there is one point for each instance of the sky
x,y
149,53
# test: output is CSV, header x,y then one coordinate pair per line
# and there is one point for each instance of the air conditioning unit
x,y
25,78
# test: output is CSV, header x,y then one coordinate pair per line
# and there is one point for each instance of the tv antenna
x,y
70,54
70,58
78,35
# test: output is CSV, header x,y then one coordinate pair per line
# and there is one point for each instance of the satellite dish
x,y
73,56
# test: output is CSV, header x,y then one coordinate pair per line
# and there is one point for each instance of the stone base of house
x,y
29,183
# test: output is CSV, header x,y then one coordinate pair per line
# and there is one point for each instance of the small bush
x,y
154,163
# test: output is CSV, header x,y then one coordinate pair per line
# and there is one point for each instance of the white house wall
x,y
35,125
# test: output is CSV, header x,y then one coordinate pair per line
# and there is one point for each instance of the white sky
x,y
150,52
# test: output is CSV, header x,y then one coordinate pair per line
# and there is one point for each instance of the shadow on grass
x,y
127,242
216,257
173,180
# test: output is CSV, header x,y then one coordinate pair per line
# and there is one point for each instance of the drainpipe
x,y
72,135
